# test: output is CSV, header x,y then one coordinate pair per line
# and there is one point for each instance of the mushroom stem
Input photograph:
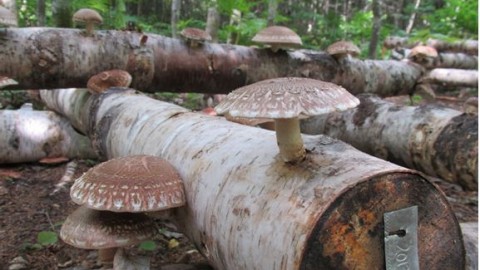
x,y
289,139
90,28
106,255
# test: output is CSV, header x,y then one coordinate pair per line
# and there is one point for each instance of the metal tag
x,y
401,249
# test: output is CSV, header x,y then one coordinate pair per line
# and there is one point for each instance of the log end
x,y
350,233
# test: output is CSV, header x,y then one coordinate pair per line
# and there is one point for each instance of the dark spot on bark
x,y
47,148
14,141
366,109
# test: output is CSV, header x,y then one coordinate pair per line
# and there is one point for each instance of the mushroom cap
x,y
110,78
343,47
92,229
423,51
288,97
195,34
6,81
85,15
279,36
138,183
7,18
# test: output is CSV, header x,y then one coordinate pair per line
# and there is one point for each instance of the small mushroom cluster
x,y
110,78
286,100
115,196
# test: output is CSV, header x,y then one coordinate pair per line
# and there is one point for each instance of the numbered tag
x,y
401,249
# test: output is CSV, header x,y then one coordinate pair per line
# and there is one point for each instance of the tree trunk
x,y
438,141
464,46
246,209
28,136
235,19
213,23
176,5
456,60
62,13
411,21
452,77
53,58
40,12
272,12
470,238
377,24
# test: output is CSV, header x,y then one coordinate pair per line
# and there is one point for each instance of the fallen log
x,y
438,141
451,77
29,136
56,58
247,209
463,46
457,61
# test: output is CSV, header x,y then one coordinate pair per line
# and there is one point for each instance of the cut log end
x,y
350,234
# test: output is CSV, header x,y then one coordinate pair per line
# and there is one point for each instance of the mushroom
x,y
470,106
7,18
286,100
139,183
106,231
6,81
89,17
194,37
278,37
111,78
423,55
343,49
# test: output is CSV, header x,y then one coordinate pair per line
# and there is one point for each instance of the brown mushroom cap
x,y
110,78
286,98
278,35
92,229
195,34
138,183
343,47
7,18
86,15
423,51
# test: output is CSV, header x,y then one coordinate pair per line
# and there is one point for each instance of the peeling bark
x,y
438,141
58,58
247,209
32,135
452,77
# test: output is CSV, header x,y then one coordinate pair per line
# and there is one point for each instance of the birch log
x,y
438,141
456,60
468,46
470,238
28,135
58,58
452,77
246,209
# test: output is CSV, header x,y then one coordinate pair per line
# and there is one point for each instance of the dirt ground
x,y
27,209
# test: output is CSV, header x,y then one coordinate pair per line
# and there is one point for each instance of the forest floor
x,y
27,209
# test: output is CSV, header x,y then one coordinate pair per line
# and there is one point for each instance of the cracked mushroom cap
x,y
343,48
195,34
7,18
110,78
421,51
86,15
138,183
91,229
286,98
279,36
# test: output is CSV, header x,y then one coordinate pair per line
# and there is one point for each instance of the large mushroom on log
x,y
194,37
286,100
423,55
89,18
278,37
7,18
138,183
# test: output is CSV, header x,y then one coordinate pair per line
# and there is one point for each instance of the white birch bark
x,y
246,208
29,135
450,76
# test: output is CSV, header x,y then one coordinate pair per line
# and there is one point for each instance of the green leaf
x,y
46,238
148,245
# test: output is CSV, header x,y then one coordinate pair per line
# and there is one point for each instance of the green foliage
x,y
44,239
148,245
458,18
